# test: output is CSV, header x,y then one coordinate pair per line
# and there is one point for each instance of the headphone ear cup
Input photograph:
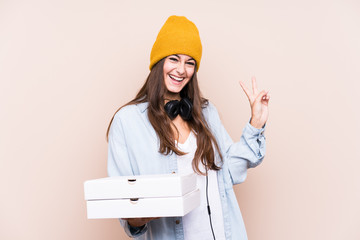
x,y
172,108
186,108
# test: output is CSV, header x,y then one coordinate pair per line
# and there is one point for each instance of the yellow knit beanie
x,y
177,36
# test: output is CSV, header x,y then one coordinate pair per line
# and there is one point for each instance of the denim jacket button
x,y
177,221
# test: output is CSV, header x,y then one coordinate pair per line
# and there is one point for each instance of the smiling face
x,y
178,71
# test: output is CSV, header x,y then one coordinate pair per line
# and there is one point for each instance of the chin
x,y
173,90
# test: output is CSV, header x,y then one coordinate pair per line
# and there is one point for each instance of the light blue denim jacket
x,y
134,150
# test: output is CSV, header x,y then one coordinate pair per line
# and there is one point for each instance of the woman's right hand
x,y
138,222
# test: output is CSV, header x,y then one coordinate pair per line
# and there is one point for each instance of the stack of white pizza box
x,y
166,195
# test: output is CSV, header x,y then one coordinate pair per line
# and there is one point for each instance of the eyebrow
x,y
187,60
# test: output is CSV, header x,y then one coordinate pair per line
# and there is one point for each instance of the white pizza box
x,y
141,186
143,207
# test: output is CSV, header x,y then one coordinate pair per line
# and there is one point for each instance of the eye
x,y
191,63
174,59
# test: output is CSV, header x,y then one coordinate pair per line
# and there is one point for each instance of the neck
x,y
172,96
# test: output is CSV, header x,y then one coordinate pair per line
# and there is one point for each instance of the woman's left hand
x,y
259,104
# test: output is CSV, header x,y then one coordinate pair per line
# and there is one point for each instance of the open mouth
x,y
178,79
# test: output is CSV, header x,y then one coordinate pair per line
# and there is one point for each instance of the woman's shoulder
x,y
131,111
209,109
211,114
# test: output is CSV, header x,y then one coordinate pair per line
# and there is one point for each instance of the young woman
x,y
170,128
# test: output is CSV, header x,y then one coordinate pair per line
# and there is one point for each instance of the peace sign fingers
x,y
258,103
255,92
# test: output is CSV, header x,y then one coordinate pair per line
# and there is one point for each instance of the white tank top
x,y
196,223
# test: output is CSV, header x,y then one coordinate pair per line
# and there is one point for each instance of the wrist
x,y
135,223
256,123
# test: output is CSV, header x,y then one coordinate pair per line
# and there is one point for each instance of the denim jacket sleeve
x,y
119,164
238,156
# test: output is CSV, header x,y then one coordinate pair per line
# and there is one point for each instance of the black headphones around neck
x,y
183,107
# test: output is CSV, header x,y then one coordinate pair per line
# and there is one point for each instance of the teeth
x,y
176,78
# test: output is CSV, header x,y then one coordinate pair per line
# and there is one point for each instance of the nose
x,y
180,68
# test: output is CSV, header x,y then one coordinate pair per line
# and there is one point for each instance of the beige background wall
x,y
65,67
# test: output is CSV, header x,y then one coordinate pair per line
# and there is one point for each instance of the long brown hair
x,y
153,92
